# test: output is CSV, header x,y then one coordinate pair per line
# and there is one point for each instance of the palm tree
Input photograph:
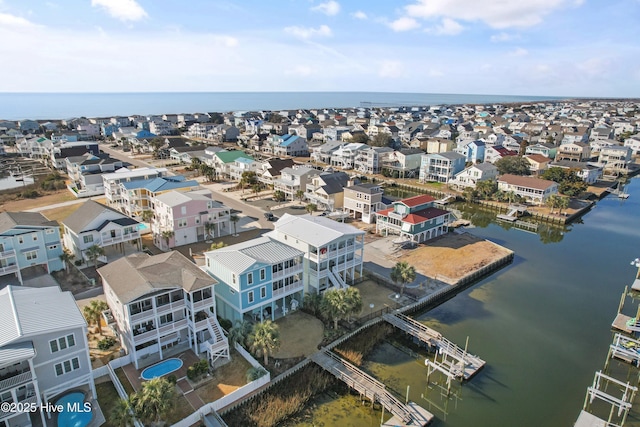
x,y
93,312
264,340
93,253
563,203
403,273
335,305
67,257
256,188
146,215
279,196
195,165
121,415
300,195
167,235
239,333
313,302
155,401
217,245
208,228
354,301
234,219
311,208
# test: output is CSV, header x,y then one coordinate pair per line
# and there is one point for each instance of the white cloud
x,y
391,69
496,13
329,8
502,37
124,10
404,24
448,27
519,52
12,21
595,67
308,32
360,15
435,73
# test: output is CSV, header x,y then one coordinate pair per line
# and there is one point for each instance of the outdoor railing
x,y
289,288
12,382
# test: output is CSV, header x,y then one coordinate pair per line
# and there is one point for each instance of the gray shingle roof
x,y
136,275
9,220
78,220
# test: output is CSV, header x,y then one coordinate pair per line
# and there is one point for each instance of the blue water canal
x,y
542,324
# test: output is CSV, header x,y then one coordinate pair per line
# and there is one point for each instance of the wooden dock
x,y
461,364
405,414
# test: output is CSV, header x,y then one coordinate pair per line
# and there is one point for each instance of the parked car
x,y
269,216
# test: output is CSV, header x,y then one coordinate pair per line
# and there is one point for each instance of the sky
x,y
586,48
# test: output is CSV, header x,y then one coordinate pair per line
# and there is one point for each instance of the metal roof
x,y
9,220
262,250
314,230
14,353
25,312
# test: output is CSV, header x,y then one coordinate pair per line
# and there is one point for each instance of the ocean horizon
x,y
56,106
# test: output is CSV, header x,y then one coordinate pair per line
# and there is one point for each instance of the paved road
x,y
120,155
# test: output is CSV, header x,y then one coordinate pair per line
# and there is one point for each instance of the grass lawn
x,y
373,293
128,388
107,398
11,204
226,379
300,334
181,409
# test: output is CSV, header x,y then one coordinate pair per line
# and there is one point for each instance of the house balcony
x,y
143,315
173,326
144,334
7,253
120,238
8,269
289,289
396,216
199,305
172,306
25,402
16,379
297,269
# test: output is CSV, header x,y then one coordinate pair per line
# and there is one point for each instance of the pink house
x,y
181,218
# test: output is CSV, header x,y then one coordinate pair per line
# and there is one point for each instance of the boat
x,y
623,195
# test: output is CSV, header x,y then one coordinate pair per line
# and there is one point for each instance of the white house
x,y
534,190
161,302
474,174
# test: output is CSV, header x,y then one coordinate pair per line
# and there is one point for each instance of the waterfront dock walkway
x,y
404,414
465,365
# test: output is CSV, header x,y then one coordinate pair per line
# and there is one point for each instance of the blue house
x,y
29,246
144,133
108,129
473,151
258,279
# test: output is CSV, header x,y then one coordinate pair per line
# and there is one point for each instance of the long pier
x,y
408,414
462,364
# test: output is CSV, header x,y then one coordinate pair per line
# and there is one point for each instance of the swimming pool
x,y
73,411
163,368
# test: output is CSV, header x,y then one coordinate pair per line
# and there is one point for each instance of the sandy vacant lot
x,y
453,256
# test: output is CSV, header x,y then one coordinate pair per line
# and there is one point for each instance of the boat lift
x,y
623,403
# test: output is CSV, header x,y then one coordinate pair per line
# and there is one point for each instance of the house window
x,y
183,210
166,318
50,231
234,279
31,255
62,343
263,274
250,278
88,238
67,366
52,247
263,292
182,222
197,220
250,297
20,239
35,237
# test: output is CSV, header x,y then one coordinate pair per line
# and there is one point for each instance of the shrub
x,y
30,194
225,323
254,373
172,379
198,369
106,343
77,262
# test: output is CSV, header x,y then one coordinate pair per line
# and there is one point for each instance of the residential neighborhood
x,y
194,230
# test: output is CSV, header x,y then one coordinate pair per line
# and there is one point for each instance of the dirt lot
x,y
17,205
453,256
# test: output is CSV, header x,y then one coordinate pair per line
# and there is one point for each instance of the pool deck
x,y
188,358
